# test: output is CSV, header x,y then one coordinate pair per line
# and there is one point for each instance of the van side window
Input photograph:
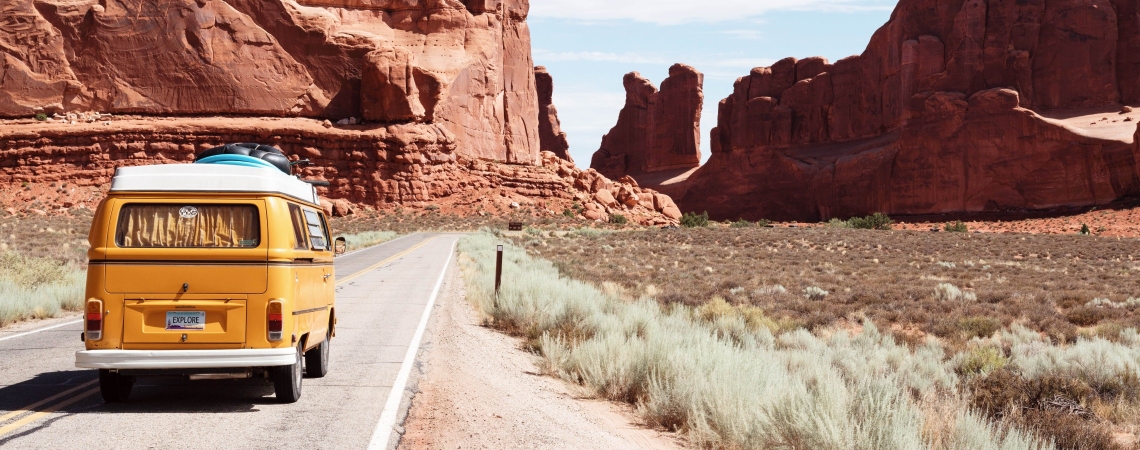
x,y
316,230
188,226
299,227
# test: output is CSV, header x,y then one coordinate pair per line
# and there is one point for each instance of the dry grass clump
x,y
717,372
953,285
36,288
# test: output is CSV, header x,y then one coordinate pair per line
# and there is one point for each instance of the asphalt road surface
x,y
384,296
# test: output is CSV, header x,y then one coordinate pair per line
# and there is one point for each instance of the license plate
x,y
186,320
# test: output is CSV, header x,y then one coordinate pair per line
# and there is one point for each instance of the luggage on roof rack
x,y
246,154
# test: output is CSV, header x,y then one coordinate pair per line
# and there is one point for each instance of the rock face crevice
x,y
951,108
550,134
656,130
465,65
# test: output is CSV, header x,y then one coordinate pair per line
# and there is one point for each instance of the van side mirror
x,y
341,246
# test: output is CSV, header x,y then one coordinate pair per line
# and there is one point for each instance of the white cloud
x,y
672,12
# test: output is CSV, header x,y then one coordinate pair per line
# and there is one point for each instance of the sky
x,y
589,45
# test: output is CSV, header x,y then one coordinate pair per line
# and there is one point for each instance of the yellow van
x,y
213,271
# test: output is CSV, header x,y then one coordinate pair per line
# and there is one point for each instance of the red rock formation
x,y
936,116
466,66
550,132
381,165
656,131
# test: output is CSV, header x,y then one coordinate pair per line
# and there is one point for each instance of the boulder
x,y
604,197
342,208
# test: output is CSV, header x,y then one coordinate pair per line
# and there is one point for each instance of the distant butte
x,y
958,106
657,131
550,135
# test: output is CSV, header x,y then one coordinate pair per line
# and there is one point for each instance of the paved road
x,y
45,402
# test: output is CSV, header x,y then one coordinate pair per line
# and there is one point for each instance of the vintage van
x,y
219,269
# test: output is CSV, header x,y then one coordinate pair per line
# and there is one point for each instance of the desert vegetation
x,y
1032,338
954,286
36,288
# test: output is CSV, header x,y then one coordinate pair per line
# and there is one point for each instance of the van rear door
x,y
186,268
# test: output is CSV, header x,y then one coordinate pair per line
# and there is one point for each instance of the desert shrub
x,y
36,288
367,239
957,227
876,221
1070,431
41,117
837,223
770,290
742,224
618,219
1050,406
815,293
1086,316
947,292
1085,229
694,220
1131,303
978,327
982,359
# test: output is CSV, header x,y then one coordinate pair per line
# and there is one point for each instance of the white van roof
x,y
211,178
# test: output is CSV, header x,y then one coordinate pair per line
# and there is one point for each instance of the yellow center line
x,y
32,406
33,417
386,261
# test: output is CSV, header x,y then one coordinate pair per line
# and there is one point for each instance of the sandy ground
x,y
477,389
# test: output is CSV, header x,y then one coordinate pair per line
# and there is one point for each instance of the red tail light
x,y
275,320
94,327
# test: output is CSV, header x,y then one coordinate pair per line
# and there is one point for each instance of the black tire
x,y
317,360
273,155
114,387
287,380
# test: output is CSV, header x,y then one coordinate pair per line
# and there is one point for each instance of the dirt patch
x,y
478,390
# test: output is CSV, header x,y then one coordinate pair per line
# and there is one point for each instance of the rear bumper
x,y
185,359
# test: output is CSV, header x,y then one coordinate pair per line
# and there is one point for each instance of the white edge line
x,y
383,432
42,329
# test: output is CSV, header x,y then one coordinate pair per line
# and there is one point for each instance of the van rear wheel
x,y
287,380
317,360
115,388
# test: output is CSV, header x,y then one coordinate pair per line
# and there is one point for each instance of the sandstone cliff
x,y
656,130
411,165
955,106
550,134
465,66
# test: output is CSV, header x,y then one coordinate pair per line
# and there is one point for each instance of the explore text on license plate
x,y
185,320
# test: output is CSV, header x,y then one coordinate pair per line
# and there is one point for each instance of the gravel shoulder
x,y
477,389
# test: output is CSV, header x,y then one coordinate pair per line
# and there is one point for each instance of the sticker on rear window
x,y
188,212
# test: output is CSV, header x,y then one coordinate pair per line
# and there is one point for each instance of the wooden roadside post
x,y
498,272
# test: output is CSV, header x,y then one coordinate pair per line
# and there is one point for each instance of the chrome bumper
x,y
185,359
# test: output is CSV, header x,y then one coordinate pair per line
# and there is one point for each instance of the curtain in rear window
x,y
188,226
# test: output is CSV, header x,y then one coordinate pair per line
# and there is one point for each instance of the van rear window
x,y
188,226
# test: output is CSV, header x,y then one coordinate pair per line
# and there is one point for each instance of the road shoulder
x,y
477,389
